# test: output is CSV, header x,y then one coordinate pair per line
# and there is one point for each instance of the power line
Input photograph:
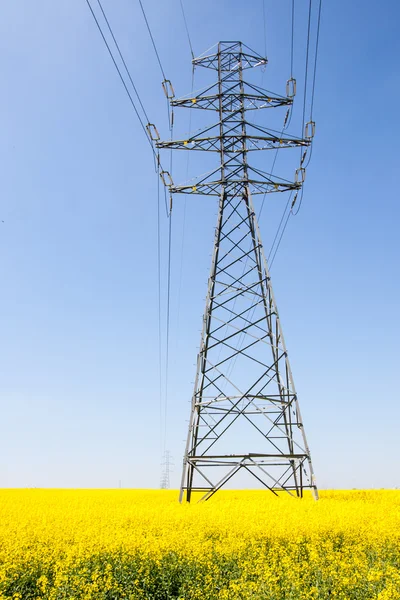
x,y
120,74
287,120
184,214
285,126
122,59
299,205
313,88
306,69
280,239
158,168
187,29
169,215
265,29
163,406
311,113
152,39
304,109
279,227
159,306
292,43
168,326
166,81
316,56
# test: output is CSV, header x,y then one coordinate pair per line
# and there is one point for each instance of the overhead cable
x,y
290,212
168,93
152,39
288,117
306,67
159,311
184,217
187,29
279,242
312,90
292,43
265,29
168,327
166,83
123,60
279,227
120,75
299,205
316,57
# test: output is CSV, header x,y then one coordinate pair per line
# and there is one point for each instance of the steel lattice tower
x,y
245,413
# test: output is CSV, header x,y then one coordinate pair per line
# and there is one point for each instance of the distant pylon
x,y
245,414
166,467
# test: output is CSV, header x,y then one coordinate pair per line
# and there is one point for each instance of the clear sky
x,y
80,403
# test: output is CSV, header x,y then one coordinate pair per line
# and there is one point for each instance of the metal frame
x,y
243,372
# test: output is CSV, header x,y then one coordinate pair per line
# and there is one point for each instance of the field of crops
x,y
114,544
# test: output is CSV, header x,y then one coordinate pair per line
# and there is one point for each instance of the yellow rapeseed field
x,y
114,544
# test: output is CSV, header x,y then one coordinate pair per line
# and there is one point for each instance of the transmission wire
x,y
316,56
184,214
152,39
159,303
279,243
306,67
279,227
187,30
158,166
304,109
120,75
312,91
291,111
168,326
302,189
169,216
265,29
166,81
292,43
122,59
171,122
311,113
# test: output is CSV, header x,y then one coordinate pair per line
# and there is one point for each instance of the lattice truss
x,y
245,415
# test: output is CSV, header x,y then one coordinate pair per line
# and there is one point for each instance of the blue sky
x,y
79,347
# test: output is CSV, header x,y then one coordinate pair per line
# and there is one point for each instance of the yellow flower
x,y
240,545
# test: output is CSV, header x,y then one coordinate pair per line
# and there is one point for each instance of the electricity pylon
x,y
245,414
167,464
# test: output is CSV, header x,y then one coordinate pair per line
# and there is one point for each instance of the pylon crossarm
x,y
211,102
212,188
233,143
232,96
232,58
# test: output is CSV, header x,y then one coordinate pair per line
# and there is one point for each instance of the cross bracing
x,y
245,414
